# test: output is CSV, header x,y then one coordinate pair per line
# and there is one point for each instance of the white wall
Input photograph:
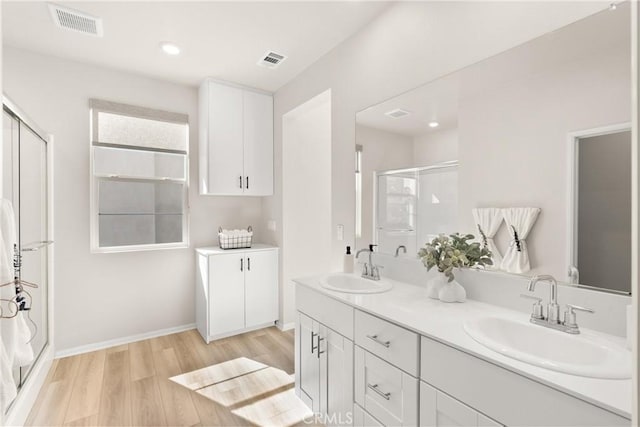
x,y
306,193
408,45
380,151
107,296
435,147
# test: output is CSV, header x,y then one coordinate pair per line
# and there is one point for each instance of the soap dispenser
x,y
348,261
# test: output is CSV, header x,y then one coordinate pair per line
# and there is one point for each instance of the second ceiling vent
x,y
74,20
271,59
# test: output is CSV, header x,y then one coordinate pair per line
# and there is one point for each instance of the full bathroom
x,y
360,213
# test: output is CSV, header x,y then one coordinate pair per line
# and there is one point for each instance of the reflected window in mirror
x,y
358,191
600,247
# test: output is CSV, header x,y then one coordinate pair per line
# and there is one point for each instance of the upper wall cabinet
x,y
236,140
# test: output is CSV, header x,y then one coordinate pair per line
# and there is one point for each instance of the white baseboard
x,y
124,340
20,408
286,326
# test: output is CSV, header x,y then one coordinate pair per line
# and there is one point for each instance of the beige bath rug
x,y
258,393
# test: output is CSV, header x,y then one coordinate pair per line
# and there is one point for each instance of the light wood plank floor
x,y
129,385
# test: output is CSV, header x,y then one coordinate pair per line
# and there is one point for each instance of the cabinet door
x,y
225,140
226,297
261,287
438,409
258,144
336,377
309,362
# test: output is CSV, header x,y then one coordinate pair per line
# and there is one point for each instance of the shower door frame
x,y
29,389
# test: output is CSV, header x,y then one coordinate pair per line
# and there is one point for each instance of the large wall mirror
x,y
536,140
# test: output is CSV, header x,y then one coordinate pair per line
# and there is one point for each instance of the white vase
x,y
452,292
435,284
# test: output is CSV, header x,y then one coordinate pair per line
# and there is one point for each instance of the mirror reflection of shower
x,y
412,206
24,250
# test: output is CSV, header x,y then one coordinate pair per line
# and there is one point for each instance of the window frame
x,y
99,106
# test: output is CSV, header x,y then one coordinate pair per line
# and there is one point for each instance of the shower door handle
x,y
35,246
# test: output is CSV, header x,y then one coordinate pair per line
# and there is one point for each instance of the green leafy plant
x,y
454,251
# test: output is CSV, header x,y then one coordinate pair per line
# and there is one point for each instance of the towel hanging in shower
x,y
16,335
519,223
488,222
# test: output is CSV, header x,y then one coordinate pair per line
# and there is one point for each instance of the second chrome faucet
x,y
369,270
552,319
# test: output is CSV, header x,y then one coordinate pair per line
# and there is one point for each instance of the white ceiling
x,y
218,39
436,101
606,31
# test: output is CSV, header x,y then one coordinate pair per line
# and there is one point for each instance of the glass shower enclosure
x,y
415,205
24,191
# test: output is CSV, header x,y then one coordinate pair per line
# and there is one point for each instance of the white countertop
x,y
213,250
408,306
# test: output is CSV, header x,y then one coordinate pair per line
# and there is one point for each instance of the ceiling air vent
x,y
74,20
271,59
397,113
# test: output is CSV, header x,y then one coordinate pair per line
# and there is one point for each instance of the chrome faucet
x,y
552,319
404,250
553,309
369,270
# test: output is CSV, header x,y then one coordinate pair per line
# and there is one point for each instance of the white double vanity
x,y
399,358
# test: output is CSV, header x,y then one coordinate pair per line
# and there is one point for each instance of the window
x,y
139,178
358,191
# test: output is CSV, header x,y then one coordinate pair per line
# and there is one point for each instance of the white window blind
x,y
139,178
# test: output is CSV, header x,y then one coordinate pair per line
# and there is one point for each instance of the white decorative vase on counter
x,y
435,284
438,287
452,292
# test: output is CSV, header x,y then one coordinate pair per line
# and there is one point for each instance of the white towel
x,y
15,332
488,221
519,222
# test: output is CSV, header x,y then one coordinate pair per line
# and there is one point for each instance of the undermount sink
x,y
585,355
354,284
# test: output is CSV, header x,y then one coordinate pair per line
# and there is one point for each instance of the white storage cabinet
x,y
236,140
236,290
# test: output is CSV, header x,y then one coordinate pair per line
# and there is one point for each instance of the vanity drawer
x,y
507,397
394,344
363,419
384,391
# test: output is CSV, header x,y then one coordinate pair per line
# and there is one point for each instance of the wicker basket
x,y
235,242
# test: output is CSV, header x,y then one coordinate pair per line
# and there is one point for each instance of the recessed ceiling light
x,y
434,124
613,6
169,48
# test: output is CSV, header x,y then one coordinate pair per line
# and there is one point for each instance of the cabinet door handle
x,y
248,264
313,347
247,182
240,181
375,339
375,388
318,347
241,264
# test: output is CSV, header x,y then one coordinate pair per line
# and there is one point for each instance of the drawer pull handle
x,y
375,388
375,339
